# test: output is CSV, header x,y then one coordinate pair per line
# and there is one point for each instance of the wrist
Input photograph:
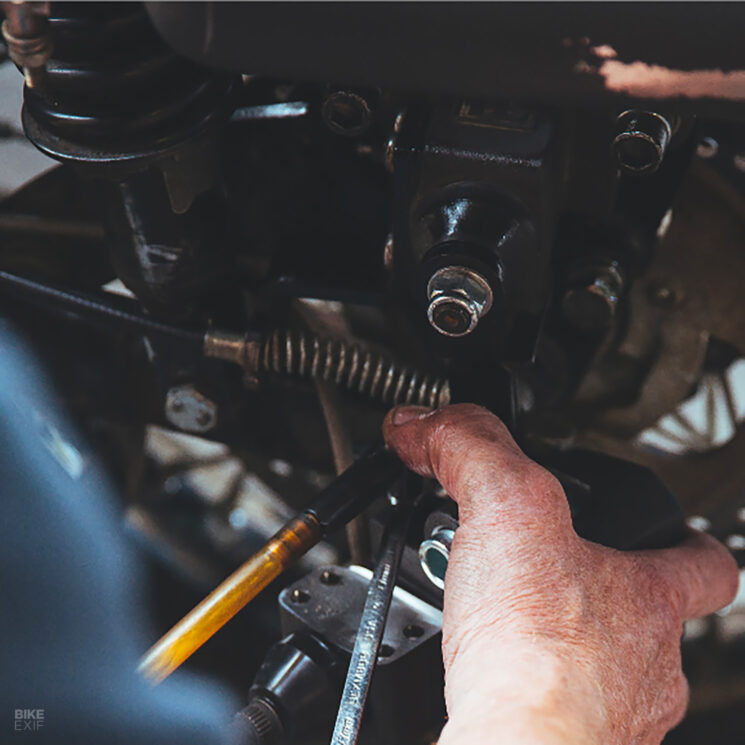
x,y
522,694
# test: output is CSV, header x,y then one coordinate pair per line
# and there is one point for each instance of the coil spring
x,y
352,367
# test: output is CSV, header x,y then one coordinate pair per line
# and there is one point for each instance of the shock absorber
x,y
125,109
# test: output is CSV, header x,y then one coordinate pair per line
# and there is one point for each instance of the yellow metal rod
x,y
194,629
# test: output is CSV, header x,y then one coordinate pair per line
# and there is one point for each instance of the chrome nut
x,y
458,298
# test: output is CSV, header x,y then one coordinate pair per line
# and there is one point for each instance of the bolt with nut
x,y
458,298
347,112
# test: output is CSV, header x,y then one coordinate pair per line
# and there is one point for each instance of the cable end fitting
x,y
241,349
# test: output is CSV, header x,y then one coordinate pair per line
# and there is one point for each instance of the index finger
x,y
472,454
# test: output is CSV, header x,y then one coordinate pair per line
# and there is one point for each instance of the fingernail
x,y
405,414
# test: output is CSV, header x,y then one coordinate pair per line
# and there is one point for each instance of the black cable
x,y
94,309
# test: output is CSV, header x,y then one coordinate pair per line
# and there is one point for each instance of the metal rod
x,y
342,500
195,628
51,226
370,633
357,529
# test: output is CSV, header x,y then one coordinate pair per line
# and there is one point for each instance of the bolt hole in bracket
x,y
329,577
337,604
406,695
299,596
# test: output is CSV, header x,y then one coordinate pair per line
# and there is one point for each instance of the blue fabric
x,y
71,619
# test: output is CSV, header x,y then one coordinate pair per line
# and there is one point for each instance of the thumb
x,y
472,454
701,574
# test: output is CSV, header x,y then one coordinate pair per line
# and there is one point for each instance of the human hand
x,y
549,639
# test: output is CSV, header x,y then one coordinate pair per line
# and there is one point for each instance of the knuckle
x,y
547,490
542,481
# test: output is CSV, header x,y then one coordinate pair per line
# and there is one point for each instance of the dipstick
x,y
195,628
341,501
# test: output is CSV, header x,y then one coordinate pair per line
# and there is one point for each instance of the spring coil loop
x,y
350,366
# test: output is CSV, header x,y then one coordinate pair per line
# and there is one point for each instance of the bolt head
x,y
458,298
346,113
452,316
590,304
589,307
641,140
188,410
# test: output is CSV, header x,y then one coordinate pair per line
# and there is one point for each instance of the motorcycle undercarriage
x,y
575,268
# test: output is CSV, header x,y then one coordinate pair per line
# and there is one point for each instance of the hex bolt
x,y
458,298
434,554
641,140
188,410
346,112
591,304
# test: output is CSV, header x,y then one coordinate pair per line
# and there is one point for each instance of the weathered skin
x,y
549,639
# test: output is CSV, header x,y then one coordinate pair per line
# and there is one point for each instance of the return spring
x,y
347,365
